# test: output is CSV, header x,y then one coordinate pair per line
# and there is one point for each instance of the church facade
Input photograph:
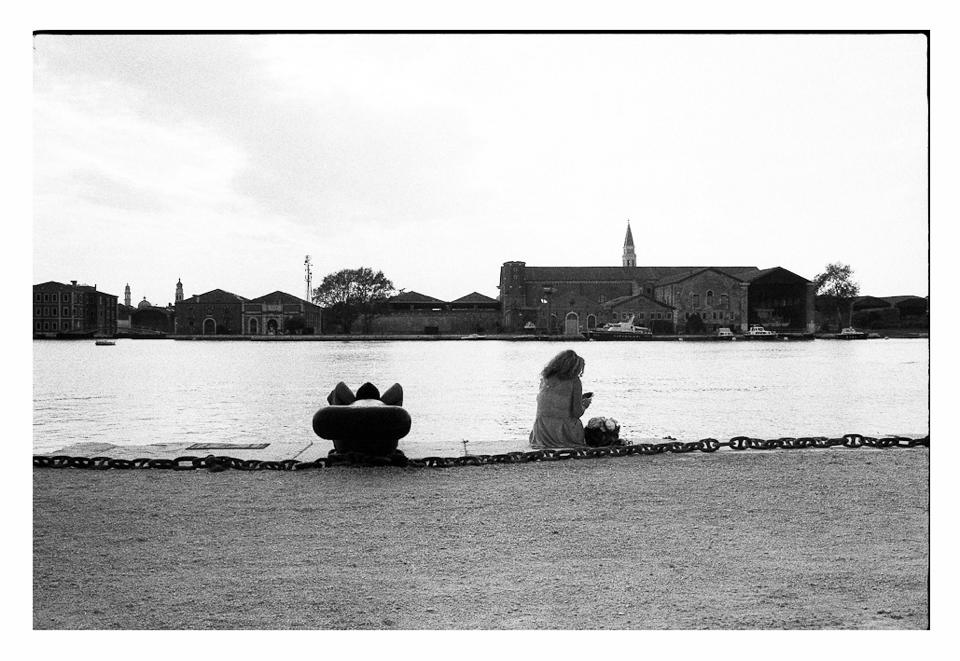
x,y
668,299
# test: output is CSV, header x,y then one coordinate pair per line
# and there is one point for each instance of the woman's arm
x,y
576,399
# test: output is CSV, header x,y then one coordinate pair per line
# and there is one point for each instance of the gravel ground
x,y
822,539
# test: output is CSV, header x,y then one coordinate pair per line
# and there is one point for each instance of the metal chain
x,y
218,463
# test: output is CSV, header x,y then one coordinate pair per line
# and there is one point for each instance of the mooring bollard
x,y
365,425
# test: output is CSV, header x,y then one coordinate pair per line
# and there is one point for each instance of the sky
x,y
223,160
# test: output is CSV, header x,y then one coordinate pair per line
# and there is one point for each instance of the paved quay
x,y
783,539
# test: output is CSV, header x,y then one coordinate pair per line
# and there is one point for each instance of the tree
x,y
353,293
837,282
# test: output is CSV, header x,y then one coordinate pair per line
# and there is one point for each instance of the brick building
x,y
415,313
216,312
72,310
274,314
573,299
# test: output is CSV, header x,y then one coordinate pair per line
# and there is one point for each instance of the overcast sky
x,y
224,160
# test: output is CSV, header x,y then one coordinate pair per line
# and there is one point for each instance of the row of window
x,y
709,299
66,298
639,316
778,302
53,325
52,312
715,315
53,298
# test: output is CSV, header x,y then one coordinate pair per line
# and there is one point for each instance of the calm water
x,y
140,392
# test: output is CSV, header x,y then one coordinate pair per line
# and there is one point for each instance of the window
x,y
38,324
66,312
46,298
709,297
38,298
724,301
696,300
602,299
65,298
37,311
640,316
658,315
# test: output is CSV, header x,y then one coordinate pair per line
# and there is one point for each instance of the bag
x,y
602,432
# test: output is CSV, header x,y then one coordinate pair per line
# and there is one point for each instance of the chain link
x,y
221,463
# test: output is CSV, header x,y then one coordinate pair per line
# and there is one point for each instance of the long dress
x,y
559,407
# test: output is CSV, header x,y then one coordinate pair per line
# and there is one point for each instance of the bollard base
x,y
395,458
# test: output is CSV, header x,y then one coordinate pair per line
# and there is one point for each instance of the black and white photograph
x,y
480,330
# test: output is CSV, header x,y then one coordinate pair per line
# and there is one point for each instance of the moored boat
x,y
725,334
624,330
757,332
105,343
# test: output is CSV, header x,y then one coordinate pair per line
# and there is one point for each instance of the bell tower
x,y
126,295
179,295
629,256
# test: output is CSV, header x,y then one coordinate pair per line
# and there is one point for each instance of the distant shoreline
x,y
501,338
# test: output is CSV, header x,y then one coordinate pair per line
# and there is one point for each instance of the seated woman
x,y
560,403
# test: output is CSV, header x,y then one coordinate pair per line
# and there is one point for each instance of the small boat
x,y
624,330
851,333
757,332
105,343
726,334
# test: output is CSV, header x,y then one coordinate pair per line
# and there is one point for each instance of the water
x,y
140,392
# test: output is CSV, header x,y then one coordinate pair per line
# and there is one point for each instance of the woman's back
x,y
559,408
556,397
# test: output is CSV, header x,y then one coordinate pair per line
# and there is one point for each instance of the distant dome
x,y
144,304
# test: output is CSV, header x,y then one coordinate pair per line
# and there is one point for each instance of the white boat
x,y
758,332
725,333
623,330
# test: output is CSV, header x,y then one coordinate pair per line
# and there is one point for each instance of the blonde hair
x,y
565,365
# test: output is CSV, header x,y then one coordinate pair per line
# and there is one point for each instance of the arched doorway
x,y
209,326
695,324
591,321
254,327
272,327
571,324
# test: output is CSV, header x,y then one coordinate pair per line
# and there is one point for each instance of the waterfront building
x,y
411,312
216,312
72,310
874,313
149,319
695,299
123,317
280,313
145,319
